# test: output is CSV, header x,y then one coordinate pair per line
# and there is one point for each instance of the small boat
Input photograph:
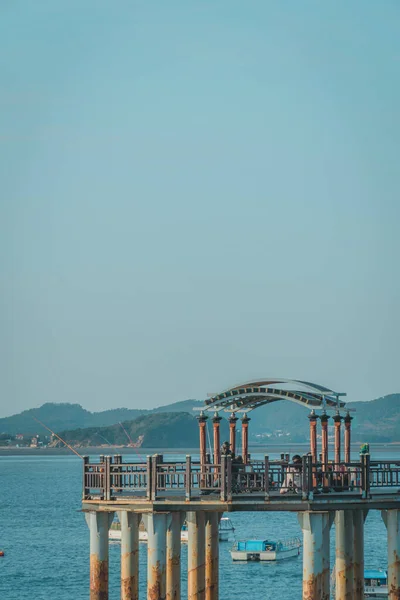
x,y
265,550
226,531
375,584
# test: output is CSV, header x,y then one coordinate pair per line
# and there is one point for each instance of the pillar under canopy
x,y
99,524
316,574
391,519
202,419
232,433
129,554
337,421
347,437
173,578
324,442
156,526
344,565
196,555
313,443
245,438
217,439
212,555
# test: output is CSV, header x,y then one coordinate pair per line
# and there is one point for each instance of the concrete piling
x,y
156,525
99,524
316,575
392,521
344,555
174,556
196,555
359,517
129,554
212,556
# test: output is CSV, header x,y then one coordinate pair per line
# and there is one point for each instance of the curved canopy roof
x,y
252,394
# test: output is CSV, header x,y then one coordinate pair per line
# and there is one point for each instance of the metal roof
x,y
253,394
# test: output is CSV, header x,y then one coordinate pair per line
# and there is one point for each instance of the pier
x,y
319,488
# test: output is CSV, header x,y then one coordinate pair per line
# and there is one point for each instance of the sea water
x,y
46,540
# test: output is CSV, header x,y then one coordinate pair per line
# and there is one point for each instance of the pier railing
x,y
110,478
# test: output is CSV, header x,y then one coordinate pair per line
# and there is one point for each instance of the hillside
x,y
73,416
158,429
375,420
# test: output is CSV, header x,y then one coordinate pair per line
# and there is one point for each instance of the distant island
x,y
175,425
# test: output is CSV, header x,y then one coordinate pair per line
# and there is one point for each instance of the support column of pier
x,y
196,555
313,443
344,566
316,574
217,439
232,433
391,519
347,437
175,522
99,524
212,556
156,526
359,517
337,420
245,438
129,554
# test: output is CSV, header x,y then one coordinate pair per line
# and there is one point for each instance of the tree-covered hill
x,y
160,430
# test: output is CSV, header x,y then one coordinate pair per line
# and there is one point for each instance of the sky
x,y
196,193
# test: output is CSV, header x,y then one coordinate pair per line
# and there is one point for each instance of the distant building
x,y
19,436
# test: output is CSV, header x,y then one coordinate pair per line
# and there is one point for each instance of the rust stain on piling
x,y
154,587
98,578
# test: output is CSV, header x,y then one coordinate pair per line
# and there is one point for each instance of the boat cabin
x,y
375,578
258,546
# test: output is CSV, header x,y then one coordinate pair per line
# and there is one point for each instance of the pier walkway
x,y
165,494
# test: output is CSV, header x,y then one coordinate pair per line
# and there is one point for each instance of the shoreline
x,y
110,450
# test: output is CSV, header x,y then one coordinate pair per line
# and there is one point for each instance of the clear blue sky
x,y
194,193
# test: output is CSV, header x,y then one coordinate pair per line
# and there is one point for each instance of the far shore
x,y
292,448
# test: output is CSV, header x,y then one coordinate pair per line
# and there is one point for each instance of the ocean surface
x,y
46,540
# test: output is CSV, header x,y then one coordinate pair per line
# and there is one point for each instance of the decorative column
x,y
202,419
347,437
391,519
217,441
245,438
99,524
359,517
212,555
344,554
196,555
313,443
324,441
174,556
316,574
129,554
337,421
232,433
156,526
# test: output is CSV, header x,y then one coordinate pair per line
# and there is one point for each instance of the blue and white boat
x,y
375,584
265,550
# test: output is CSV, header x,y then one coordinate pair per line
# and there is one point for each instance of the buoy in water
x,y
1,552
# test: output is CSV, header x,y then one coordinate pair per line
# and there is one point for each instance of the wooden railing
x,y
110,478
